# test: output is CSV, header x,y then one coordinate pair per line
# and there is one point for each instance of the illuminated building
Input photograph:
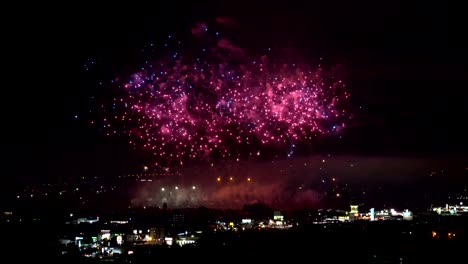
x,y
177,220
451,209
277,216
407,215
391,214
372,214
354,212
343,218
104,235
85,220
185,239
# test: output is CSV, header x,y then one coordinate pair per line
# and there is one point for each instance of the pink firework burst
x,y
219,103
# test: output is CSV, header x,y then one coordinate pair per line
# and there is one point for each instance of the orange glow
x,y
230,178
434,234
218,179
248,179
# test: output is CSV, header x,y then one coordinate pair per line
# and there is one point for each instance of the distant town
x,y
97,220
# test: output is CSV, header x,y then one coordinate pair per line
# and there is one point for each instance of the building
x,y
354,212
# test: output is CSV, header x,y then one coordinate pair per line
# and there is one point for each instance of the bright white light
x,y
193,187
162,189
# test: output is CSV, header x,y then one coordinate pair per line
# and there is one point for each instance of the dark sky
x,y
405,65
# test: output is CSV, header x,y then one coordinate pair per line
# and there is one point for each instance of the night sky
x,y
405,69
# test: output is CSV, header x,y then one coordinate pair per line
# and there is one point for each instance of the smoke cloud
x,y
298,183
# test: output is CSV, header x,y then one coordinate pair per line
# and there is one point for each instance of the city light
x,y
162,189
218,179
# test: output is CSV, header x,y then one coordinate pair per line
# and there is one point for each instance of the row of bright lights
x,y
177,188
218,179
231,179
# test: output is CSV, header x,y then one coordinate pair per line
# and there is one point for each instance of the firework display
x,y
217,101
